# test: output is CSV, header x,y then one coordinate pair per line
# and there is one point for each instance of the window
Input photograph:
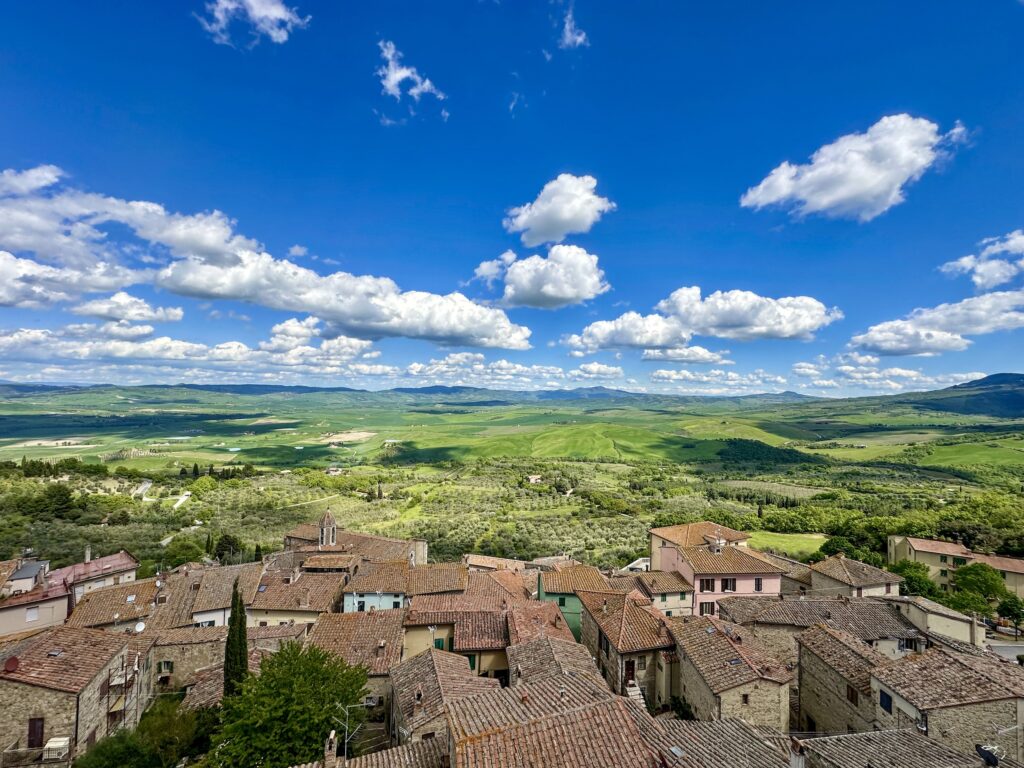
x,y
668,613
943,573
888,589
664,597
943,559
602,643
728,585
165,666
439,643
361,605
851,695
427,736
707,609
472,661
812,726
682,596
745,698
395,604
32,613
885,701
758,584
707,585
561,602
641,663
959,561
263,623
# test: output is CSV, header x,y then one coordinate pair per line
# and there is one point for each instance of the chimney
x,y
561,692
604,608
523,695
380,647
331,751
88,553
558,619
304,602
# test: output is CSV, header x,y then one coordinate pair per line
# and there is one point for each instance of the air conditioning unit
x,y
372,701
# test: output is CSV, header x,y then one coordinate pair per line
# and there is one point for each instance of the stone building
x,y
179,653
370,639
67,688
212,606
545,657
776,622
387,586
938,621
628,638
117,608
325,536
835,681
422,688
944,557
957,699
842,576
724,672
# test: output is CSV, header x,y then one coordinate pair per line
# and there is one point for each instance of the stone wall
x,y
761,703
823,697
187,659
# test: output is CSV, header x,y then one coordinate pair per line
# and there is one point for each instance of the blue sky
x,y
682,197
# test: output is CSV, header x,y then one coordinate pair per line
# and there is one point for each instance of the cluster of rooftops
x,y
480,662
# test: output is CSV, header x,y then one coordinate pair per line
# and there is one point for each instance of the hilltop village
x,y
705,653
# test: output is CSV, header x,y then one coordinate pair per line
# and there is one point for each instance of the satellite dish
x,y
139,627
11,665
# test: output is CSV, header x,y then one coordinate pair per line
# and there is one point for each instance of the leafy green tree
x,y
182,550
916,579
236,650
227,545
970,602
982,579
281,716
1011,608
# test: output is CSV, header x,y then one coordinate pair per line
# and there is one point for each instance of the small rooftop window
x,y
55,652
131,598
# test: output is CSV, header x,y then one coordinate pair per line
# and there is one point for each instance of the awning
x,y
118,704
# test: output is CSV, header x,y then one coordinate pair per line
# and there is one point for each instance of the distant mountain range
x,y
1000,394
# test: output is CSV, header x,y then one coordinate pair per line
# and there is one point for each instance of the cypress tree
x,y
195,470
259,553
236,651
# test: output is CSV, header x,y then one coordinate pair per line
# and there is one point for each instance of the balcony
x,y
56,753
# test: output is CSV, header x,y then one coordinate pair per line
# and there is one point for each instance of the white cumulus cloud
x,y
568,275
124,306
397,78
986,269
690,355
572,36
860,175
944,328
567,204
269,18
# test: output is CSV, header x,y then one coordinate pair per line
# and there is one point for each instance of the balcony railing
x,y
16,755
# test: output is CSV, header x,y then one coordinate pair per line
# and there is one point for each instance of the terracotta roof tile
x,y
176,597
481,631
729,742
851,657
939,547
372,639
63,658
330,560
496,563
628,626
392,577
424,684
887,749
864,618
373,548
430,753
937,679
531,619
724,654
545,657
698,534
575,578
652,583
123,604
310,592
216,584
119,562
206,688
853,572
190,635
435,578
728,560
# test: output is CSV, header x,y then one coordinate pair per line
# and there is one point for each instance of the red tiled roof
x,y
121,604
575,578
310,592
936,679
372,639
532,619
628,626
853,572
698,534
216,584
119,562
64,658
725,655
851,657
939,547
728,560
424,684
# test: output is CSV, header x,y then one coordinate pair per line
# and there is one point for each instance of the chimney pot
x,y
88,553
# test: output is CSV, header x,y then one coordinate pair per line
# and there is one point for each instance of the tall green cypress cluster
x,y
236,650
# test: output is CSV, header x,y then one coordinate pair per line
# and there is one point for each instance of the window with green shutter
x,y
472,661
